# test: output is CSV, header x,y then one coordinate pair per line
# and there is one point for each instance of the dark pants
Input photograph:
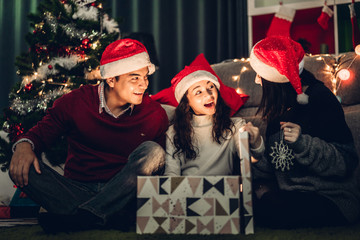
x,y
284,209
60,195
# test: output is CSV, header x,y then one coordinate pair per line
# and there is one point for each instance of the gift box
x,y
21,206
197,204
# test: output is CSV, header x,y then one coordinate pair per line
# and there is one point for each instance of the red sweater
x,y
98,144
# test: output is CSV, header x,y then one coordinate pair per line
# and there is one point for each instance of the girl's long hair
x,y
184,132
277,98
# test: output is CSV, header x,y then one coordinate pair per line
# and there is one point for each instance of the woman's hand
x,y
254,135
291,131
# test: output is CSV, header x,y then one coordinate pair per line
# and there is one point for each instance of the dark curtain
x,y
180,29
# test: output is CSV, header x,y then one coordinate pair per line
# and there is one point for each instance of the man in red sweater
x,y
115,132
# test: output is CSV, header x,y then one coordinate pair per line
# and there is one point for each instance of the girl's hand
x,y
291,131
254,135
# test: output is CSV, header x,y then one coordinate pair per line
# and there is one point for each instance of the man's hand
x,y
20,164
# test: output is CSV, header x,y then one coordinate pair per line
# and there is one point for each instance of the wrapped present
x,y
197,204
4,212
21,206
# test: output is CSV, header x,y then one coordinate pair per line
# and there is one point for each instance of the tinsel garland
x,y
23,107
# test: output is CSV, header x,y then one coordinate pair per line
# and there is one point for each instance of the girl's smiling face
x,y
203,97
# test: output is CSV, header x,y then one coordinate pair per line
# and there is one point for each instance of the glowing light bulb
x,y
235,78
238,90
344,74
357,49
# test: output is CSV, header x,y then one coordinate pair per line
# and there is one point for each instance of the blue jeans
x,y
60,195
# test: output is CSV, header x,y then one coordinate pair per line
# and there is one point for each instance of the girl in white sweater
x,y
203,139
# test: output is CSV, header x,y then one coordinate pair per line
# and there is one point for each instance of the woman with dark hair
x,y
305,176
203,139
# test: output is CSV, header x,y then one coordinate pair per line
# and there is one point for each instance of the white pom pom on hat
x,y
124,56
280,59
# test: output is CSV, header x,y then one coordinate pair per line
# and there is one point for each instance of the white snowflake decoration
x,y
282,156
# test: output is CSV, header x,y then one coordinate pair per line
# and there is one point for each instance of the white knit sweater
x,y
213,158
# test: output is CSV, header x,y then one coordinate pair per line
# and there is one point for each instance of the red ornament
x,y
93,4
85,43
28,87
17,129
50,66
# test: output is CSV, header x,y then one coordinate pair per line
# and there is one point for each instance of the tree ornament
x,y
85,43
6,127
28,87
50,66
282,155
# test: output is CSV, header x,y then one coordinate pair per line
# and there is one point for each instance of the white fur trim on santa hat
x,y
285,13
126,65
270,73
265,71
302,98
192,78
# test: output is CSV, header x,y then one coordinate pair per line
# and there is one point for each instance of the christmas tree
x,y
65,48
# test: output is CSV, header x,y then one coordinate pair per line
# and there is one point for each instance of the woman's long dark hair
x,y
184,131
276,99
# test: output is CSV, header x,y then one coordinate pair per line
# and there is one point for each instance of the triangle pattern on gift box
x,y
226,228
175,182
200,206
160,220
155,182
163,190
178,210
189,202
141,202
189,226
236,222
233,184
219,210
218,186
247,219
234,205
194,183
201,226
160,230
174,223
156,205
210,212
142,222
140,184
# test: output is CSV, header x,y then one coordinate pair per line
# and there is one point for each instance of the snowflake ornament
x,y
282,156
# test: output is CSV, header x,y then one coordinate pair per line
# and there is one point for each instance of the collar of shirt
x,y
103,106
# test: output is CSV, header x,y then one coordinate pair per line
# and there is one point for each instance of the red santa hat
x,y
280,59
198,67
197,71
124,56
